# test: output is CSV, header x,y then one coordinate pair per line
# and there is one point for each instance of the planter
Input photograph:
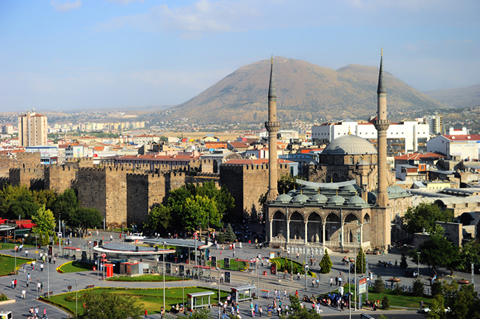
x,y
394,279
463,282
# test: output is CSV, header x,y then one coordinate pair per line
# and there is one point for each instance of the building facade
x,y
32,129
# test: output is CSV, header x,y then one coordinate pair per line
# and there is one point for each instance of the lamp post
x,y
349,295
76,299
48,272
473,281
14,243
418,264
218,269
165,247
306,267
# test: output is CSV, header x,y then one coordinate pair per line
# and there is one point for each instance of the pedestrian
x,y
41,267
260,311
336,281
269,311
24,292
296,293
15,282
54,259
44,312
284,294
26,252
339,281
252,310
38,287
421,304
24,268
36,311
331,281
146,314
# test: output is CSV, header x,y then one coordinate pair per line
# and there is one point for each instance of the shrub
x,y
325,264
68,298
397,290
436,288
3,297
418,288
403,261
379,285
385,303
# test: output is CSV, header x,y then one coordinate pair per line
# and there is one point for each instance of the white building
x,y
75,151
32,129
403,137
435,124
467,147
145,139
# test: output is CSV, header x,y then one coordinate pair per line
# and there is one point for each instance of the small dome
x,y
349,144
319,198
300,198
391,190
284,198
356,200
399,189
350,188
336,200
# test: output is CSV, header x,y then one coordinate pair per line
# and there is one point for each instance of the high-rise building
x,y
32,129
436,124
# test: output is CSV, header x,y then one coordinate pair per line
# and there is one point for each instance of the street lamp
x,y
165,247
218,269
418,264
76,299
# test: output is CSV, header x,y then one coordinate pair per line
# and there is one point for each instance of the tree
x,y
418,287
469,254
200,211
360,262
463,302
159,219
223,198
66,204
44,224
299,312
85,218
230,234
439,251
325,264
45,197
108,305
17,201
437,308
403,260
378,285
286,183
385,303
424,216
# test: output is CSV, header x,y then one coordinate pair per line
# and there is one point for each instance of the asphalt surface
x,y
58,283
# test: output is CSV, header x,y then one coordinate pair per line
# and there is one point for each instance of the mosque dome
x,y
284,198
349,144
318,198
336,200
300,198
349,188
356,200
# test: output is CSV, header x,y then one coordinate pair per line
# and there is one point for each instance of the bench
x,y
48,293
90,286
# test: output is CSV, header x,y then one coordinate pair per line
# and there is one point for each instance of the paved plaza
x,y
58,283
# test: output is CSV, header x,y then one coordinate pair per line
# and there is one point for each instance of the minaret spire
x,y
382,124
272,127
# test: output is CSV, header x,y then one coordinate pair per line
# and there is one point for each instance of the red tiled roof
x,y
239,144
159,157
418,156
470,137
257,161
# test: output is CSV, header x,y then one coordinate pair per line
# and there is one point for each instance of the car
x,y
135,236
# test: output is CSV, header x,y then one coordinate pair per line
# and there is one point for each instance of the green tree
x,y
360,262
325,264
286,183
463,302
424,216
44,224
17,201
469,253
230,234
108,305
159,219
45,197
385,303
437,308
223,198
84,218
299,312
403,260
378,285
439,251
66,204
418,287
200,211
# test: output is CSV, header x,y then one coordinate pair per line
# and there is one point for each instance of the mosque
x,y
351,201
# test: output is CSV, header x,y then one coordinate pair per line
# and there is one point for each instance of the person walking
x,y
260,311
24,293
45,313
145,316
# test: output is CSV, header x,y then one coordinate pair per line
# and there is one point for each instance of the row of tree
x,y
45,206
192,207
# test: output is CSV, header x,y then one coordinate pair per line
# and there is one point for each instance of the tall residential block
x,y
32,129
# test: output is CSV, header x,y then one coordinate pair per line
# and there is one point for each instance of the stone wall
x,y
32,178
60,178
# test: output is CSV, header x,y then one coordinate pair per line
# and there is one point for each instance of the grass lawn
x,y
406,299
145,278
12,246
234,265
75,267
7,264
152,299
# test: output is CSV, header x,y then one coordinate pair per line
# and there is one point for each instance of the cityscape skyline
x,y
122,53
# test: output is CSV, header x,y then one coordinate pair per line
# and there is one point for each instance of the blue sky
x,y
66,54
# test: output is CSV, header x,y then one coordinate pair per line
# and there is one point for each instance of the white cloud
x,y
66,6
124,1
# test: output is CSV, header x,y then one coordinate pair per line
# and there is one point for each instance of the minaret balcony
x,y
272,126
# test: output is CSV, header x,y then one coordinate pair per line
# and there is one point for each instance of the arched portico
x,y
279,225
297,226
314,228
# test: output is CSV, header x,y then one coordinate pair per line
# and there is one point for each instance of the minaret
x,y
382,124
272,127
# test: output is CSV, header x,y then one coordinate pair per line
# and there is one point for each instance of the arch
x,y
297,226
366,218
332,227
279,225
335,177
314,228
351,228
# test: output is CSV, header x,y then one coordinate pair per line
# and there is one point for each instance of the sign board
x,y
169,268
227,277
104,255
182,269
226,263
214,261
272,255
362,286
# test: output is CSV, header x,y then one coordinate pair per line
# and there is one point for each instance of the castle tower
x,y
382,124
272,127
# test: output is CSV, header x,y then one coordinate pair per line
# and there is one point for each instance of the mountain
x,y
304,91
459,97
